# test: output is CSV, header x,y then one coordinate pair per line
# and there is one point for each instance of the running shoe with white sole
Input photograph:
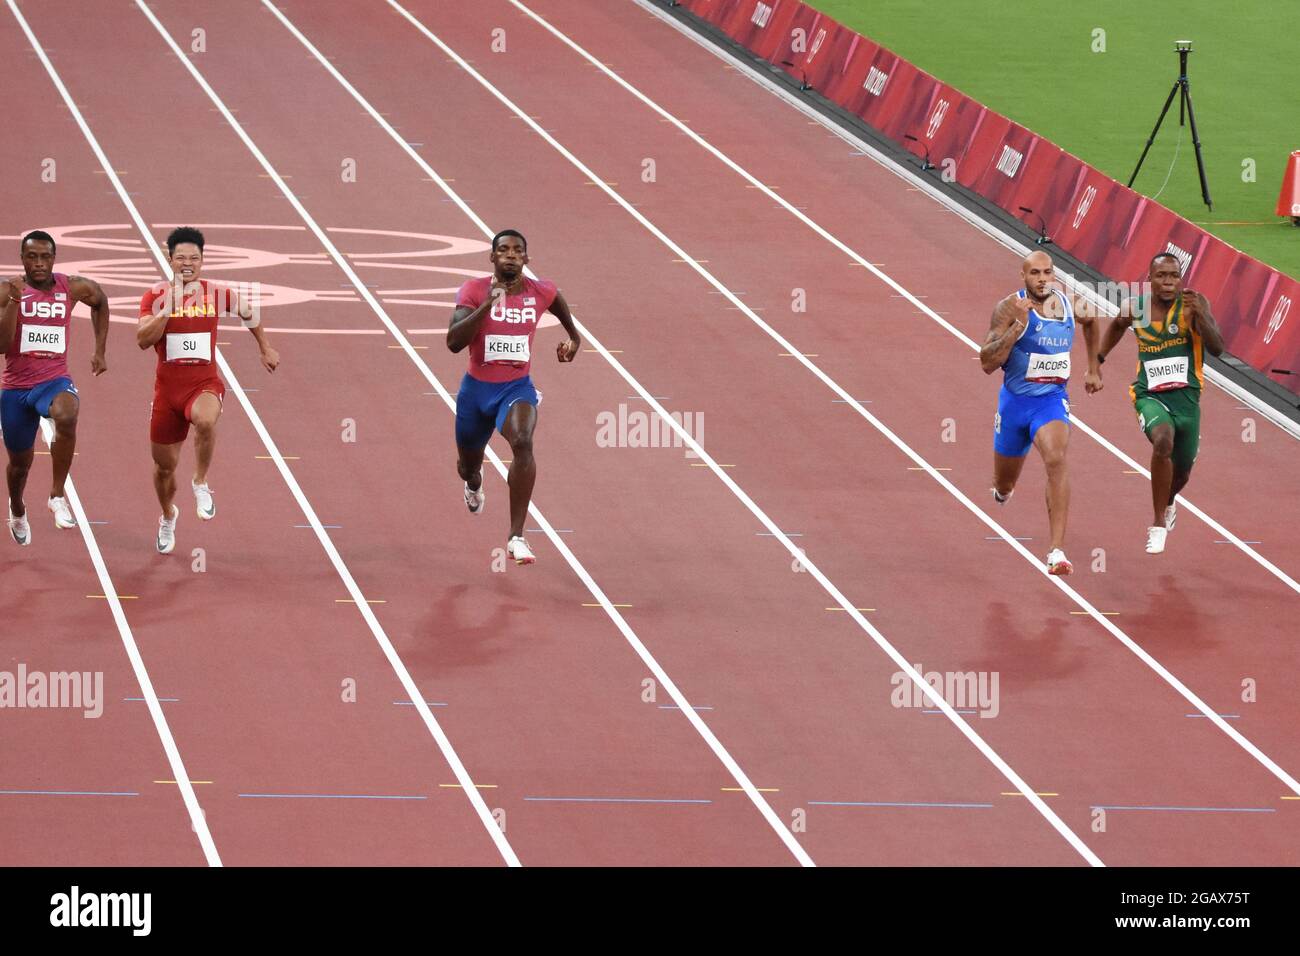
x,y
1171,513
207,508
1156,539
518,549
19,529
474,499
1058,563
1001,498
167,532
62,513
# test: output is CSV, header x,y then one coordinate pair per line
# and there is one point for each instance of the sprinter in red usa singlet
x,y
496,317
178,320
35,316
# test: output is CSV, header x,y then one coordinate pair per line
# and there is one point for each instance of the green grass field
x,y
1033,61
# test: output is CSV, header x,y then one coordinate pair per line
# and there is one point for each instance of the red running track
x,y
544,697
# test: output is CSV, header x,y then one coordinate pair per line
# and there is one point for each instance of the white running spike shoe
x,y
62,513
207,508
1000,498
167,532
19,529
518,549
474,499
1156,539
1058,563
1171,514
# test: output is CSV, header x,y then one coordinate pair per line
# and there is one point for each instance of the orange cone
x,y
1288,201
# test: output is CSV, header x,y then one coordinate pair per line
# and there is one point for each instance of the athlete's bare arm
x,y
565,351
1086,318
153,325
1118,326
1009,319
1197,307
269,356
11,293
247,310
465,321
88,291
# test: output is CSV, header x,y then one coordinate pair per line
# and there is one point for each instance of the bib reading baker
x,y
39,350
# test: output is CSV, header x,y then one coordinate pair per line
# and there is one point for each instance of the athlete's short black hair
x,y
183,234
37,235
509,232
1167,255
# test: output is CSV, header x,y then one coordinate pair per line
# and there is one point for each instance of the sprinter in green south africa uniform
x,y
1174,329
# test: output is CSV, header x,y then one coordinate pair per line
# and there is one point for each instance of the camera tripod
x,y
1183,88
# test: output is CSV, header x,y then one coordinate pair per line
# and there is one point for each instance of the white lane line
x,y
902,446
349,582
198,821
341,261
951,205
717,469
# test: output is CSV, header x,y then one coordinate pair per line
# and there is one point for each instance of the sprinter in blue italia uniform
x,y
1030,338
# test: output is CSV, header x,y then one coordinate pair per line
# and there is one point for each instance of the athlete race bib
x,y
189,346
1166,374
48,339
505,348
1048,368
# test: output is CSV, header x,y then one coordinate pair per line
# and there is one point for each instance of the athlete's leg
x,y
63,411
469,465
204,413
520,422
1162,470
1052,440
20,421
1006,472
20,463
165,460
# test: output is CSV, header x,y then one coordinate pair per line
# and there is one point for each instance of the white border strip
x,y
198,821
902,446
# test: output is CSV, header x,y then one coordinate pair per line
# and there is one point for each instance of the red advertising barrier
x,y
1088,214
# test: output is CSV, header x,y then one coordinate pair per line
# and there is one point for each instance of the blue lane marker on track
x,y
855,803
609,800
